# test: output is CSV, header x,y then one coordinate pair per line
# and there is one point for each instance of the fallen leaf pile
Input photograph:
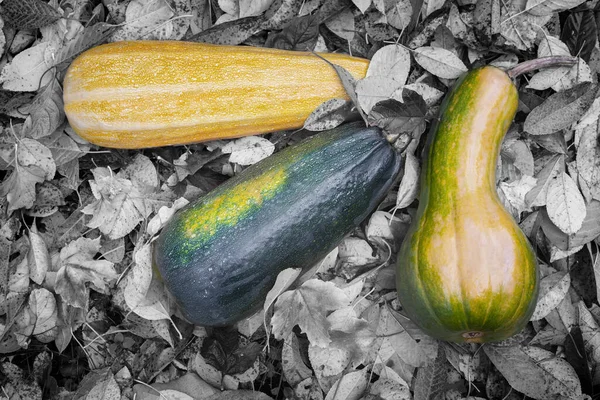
x,y
83,316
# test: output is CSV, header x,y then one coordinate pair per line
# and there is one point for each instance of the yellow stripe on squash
x,y
138,94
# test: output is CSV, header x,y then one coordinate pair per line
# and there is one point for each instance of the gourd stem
x,y
542,62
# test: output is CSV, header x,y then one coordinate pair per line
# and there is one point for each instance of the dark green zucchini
x,y
221,254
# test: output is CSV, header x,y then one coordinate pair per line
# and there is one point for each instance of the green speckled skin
x,y
221,254
465,271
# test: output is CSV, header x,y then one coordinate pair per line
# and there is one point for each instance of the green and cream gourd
x,y
465,271
220,255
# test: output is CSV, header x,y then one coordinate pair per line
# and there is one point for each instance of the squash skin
x,y
465,271
140,94
220,255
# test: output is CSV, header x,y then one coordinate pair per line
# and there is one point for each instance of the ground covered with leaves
x,y
81,315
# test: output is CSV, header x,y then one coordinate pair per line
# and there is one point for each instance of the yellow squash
x,y
138,94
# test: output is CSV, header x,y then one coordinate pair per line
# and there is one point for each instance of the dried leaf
x,y
432,6
139,277
383,225
395,117
281,12
519,28
428,93
351,333
590,117
45,111
409,186
91,36
248,150
580,33
328,364
537,196
355,252
440,62
547,7
588,159
231,32
374,89
300,33
553,289
105,388
63,149
558,254
560,110
535,372
565,204
590,229
391,61
517,155
27,70
43,306
388,389
251,8
38,257
34,165
394,339
163,215
589,331
350,387
398,13
294,369
284,280
515,192
362,5
78,268
28,14
154,19
120,204
596,268
342,24
156,304
307,307
328,115
555,76
432,378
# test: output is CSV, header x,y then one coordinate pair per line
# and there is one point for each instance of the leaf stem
x,y
542,62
